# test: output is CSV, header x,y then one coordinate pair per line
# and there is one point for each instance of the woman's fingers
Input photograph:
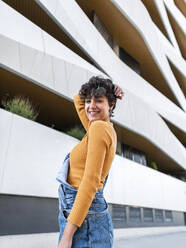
x,y
118,91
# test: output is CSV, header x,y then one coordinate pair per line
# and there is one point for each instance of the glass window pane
x,y
158,215
118,213
148,216
134,214
168,216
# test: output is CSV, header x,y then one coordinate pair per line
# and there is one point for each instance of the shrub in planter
x,y
21,106
154,166
118,151
77,132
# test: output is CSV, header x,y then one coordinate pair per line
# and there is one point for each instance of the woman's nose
x,y
92,104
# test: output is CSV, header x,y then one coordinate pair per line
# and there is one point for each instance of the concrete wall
x,y
32,154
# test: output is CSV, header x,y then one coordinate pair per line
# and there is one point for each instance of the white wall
x,y
32,154
130,183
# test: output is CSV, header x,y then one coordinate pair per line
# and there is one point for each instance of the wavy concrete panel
x,y
136,115
93,43
163,14
20,29
172,54
85,34
9,51
38,65
12,32
142,121
131,10
177,14
132,113
5,127
35,155
161,190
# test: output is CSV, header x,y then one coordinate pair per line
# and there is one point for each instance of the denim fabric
x,y
96,231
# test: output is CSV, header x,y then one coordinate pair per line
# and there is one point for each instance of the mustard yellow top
x,y
90,161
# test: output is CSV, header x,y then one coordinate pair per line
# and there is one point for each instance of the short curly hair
x,y
98,86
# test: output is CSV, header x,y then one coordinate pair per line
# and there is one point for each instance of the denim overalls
x,y
96,231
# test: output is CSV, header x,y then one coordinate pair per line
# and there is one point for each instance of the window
x,y
133,154
148,215
118,213
101,28
168,216
129,60
158,215
134,214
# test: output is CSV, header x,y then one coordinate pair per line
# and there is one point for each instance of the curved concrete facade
x,y
47,70
31,153
36,163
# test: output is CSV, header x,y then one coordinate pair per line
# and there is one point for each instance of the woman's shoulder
x,y
101,126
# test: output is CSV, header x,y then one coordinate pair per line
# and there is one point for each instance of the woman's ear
x,y
111,107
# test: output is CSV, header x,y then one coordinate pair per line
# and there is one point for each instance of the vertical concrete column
x,y
110,209
164,218
127,214
153,215
115,48
142,215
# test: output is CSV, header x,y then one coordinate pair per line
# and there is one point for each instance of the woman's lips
x,y
93,112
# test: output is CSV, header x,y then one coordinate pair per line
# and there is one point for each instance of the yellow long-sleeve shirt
x,y
90,162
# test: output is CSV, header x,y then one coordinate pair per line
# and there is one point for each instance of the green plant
x,y
77,132
154,166
183,179
118,151
21,106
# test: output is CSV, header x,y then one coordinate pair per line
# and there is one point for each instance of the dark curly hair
x,y
98,86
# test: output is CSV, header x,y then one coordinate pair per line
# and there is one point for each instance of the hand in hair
x,y
118,91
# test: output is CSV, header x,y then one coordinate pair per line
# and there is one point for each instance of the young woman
x,y
84,219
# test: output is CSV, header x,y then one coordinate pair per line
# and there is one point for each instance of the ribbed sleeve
x,y
99,141
80,108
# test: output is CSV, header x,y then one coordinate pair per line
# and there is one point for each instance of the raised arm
x,y
79,105
99,141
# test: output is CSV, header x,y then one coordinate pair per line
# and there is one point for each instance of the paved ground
x,y
149,237
164,239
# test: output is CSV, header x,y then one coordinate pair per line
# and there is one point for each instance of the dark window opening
x,y
134,214
129,60
118,213
102,29
133,154
123,55
168,216
158,215
148,215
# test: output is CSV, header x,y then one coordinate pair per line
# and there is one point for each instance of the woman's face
x,y
97,108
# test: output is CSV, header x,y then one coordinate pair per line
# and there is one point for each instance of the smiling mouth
x,y
93,112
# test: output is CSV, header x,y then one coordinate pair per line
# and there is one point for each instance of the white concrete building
x,y
47,50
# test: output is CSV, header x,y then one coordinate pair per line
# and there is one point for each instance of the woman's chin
x,y
94,118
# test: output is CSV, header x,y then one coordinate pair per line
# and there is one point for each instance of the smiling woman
x,y
84,219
